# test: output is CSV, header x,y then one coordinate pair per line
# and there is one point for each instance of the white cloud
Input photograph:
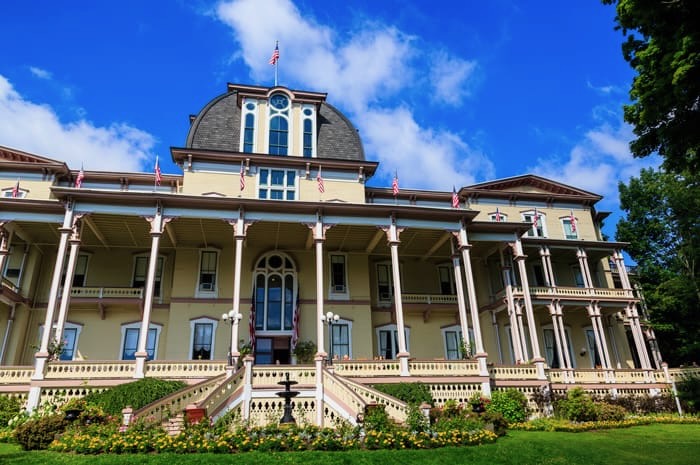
x,y
40,73
424,158
598,162
450,78
362,71
604,90
36,128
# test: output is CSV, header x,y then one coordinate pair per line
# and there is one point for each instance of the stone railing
x,y
459,392
9,285
89,370
186,369
513,372
264,410
16,375
226,393
589,375
681,374
394,407
569,292
443,368
635,376
429,299
176,402
107,292
349,403
367,368
268,376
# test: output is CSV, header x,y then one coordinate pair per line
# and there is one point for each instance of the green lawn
x,y
641,445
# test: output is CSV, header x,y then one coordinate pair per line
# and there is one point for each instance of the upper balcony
x,y
571,294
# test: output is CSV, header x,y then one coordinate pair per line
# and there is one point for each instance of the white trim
x,y
562,221
68,325
244,113
282,272
492,217
271,113
542,223
157,326
311,117
285,187
203,320
458,330
567,331
348,323
394,331
21,194
213,293
147,256
334,294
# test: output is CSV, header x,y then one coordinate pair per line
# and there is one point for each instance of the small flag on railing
x,y
455,198
572,218
15,190
395,184
158,175
498,215
79,179
242,176
319,180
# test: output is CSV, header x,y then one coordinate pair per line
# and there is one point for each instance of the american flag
x,y
572,218
79,179
498,215
15,190
159,176
455,198
536,221
319,180
251,323
395,184
275,54
242,176
295,323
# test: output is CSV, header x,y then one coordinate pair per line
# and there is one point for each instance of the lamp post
x,y
330,318
232,317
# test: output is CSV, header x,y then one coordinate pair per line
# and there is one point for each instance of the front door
x,y
272,350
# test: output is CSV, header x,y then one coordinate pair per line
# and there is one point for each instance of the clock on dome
x,y
279,101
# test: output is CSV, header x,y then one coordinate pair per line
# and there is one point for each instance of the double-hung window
x,y
570,229
277,184
141,273
208,264
538,220
202,336
447,280
456,347
385,283
341,332
388,341
338,276
130,340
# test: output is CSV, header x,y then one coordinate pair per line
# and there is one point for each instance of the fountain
x,y
287,418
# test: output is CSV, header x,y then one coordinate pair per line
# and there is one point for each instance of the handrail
x,y
350,399
107,292
213,402
394,407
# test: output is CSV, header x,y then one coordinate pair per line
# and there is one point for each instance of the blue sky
x,y
447,92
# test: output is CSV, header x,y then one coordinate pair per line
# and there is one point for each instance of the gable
x,y
9,155
530,184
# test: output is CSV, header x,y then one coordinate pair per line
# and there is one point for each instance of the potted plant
x,y
304,351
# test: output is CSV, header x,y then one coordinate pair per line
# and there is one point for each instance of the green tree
x,y
663,47
662,226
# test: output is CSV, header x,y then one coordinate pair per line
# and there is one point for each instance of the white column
x,y
550,268
497,335
529,313
319,233
393,239
239,227
4,246
592,313
638,336
545,268
585,269
157,225
603,338
512,316
557,334
521,331
43,354
461,306
8,331
622,270
68,282
562,333
481,354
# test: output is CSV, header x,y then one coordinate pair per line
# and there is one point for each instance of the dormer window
x,y
308,127
278,141
248,121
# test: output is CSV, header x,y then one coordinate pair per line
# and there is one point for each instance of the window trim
x,y
564,220
161,258
286,114
303,119
567,332
207,293
68,325
284,188
333,294
384,302
450,273
7,193
394,331
283,272
137,325
542,223
348,323
245,112
203,320
458,330
492,217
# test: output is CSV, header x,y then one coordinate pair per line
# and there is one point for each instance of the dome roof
x,y
218,127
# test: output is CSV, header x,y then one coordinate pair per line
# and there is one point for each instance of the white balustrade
x,y
16,375
269,376
187,369
367,368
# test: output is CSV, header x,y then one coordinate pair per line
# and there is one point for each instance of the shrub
x,y
689,394
9,408
39,433
578,406
499,422
137,394
415,420
511,403
610,412
376,419
411,393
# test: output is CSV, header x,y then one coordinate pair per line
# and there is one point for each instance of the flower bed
x,y
549,424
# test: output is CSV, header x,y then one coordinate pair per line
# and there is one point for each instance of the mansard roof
x,y
218,125
530,186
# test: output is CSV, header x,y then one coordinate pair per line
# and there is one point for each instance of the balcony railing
x,y
9,285
564,292
107,292
429,299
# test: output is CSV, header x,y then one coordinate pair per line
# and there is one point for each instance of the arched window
x,y
388,340
456,347
278,132
308,135
130,340
539,223
248,126
202,337
275,293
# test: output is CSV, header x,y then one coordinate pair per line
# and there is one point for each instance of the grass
x,y
644,445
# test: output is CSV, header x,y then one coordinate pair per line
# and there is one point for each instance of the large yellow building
x,y
272,225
